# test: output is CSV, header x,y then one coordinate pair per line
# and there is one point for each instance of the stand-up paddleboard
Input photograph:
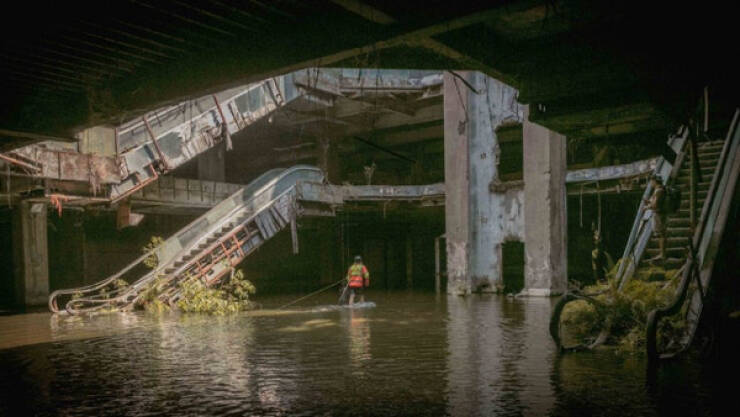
x,y
358,305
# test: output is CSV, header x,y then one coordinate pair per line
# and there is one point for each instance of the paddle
x,y
343,297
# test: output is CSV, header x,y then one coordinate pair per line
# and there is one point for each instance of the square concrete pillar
x,y
475,217
545,212
31,253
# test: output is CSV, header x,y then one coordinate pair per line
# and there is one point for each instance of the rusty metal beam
x,y
18,162
154,141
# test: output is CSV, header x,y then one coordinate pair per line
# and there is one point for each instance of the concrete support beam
x,y
98,140
31,252
545,212
211,166
476,220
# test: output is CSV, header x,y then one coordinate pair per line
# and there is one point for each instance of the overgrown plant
x,y
152,260
624,312
229,295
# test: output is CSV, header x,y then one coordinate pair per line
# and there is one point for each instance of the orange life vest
x,y
357,274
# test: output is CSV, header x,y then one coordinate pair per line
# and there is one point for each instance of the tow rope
x,y
312,294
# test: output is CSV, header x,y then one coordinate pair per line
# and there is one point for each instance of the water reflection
x,y
358,326
411,355
498,359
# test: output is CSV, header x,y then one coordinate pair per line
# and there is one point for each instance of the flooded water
x,y
409,354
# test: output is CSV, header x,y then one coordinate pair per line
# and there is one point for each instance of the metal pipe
x,y
156,145
18,162
224,125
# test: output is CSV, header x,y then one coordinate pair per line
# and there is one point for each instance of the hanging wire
x,y
462,102
598,199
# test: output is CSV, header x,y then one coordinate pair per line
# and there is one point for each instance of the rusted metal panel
x,y
72,166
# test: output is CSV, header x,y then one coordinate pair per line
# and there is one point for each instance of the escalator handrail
x,y
695,262
153,252
251,217
640,228
266,206
640,231
141,282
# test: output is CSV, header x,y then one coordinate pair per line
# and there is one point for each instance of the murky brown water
x,y
413,354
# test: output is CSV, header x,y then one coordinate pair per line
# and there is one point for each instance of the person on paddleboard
x,y
358,277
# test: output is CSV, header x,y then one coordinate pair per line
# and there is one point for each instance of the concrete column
x,y
545,212
31,252
211,163
475,218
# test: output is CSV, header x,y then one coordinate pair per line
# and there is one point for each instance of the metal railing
x,y
636,244
641,228
699,265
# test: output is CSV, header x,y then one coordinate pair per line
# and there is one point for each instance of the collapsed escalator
x,y
206,249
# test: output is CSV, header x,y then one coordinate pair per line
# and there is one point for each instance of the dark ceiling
x,y
596,65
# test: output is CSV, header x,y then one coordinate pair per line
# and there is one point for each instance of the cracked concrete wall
x,y
545,214
477,220
30,247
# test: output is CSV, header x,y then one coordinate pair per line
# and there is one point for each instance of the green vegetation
x,y
229,295
152,260
623,313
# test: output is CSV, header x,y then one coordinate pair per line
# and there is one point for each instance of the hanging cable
x,y
598,199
